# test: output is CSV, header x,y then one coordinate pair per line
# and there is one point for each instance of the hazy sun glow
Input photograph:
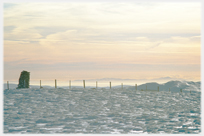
x,y
102,40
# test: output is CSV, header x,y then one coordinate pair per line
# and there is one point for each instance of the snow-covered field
x,y
101,111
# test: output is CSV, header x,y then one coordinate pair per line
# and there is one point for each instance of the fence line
x,y
96,85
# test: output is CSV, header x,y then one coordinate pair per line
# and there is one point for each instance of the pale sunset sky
x,y
94,40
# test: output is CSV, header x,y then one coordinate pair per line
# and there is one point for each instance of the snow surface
x,y
101,111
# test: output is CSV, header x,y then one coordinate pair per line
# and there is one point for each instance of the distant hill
x,y
174,86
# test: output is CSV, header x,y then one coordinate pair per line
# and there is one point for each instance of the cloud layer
x,y
100,40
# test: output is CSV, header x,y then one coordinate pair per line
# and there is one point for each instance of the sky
x,y
97,40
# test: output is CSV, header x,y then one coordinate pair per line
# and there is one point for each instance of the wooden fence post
x,y
110,85
55,83
122,85
69,84
84,83
136,86
96,84
40,84
8,85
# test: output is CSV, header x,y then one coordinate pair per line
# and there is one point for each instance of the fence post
x,y
110,85
55,83
8,85
181,90
84,83
146,87
40,84
122,85
136,86
96,85
158,88
69,84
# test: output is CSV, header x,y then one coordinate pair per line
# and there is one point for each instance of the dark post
x,y
84,83
40,84
181,90
158,88
146,87
69,84
55,83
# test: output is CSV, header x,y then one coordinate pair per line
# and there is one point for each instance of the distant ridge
x,y
174,86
